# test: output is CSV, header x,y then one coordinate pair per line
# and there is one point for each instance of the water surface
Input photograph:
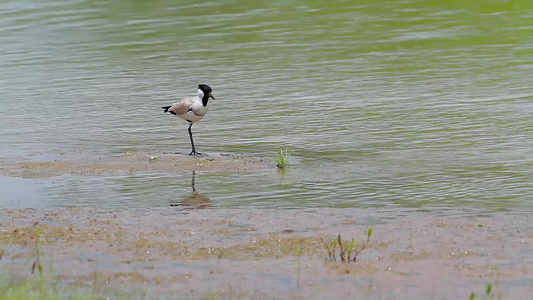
x,y
379,103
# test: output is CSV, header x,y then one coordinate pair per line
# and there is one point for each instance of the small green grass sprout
x,y
347,249
488,290
37,231
282,159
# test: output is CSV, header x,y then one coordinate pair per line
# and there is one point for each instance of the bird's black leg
x,y
193,152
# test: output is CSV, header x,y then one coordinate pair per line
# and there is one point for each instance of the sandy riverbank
x,y
173,253
130,163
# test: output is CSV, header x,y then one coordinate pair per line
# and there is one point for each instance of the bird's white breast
x,y
197,112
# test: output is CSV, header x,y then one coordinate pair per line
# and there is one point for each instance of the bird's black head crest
x,y
207,93
205,88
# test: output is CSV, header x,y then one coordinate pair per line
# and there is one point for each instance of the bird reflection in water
x,y
195,200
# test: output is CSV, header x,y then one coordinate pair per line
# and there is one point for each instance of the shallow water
x,y
387,104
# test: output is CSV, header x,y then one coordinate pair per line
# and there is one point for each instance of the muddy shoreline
x,y
131,163
273,253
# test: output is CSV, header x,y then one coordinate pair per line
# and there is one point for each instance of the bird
x,y
192,109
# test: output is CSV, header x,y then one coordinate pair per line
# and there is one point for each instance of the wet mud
x,y
174,252
128,163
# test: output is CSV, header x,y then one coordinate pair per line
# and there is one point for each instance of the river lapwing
x,y
192,109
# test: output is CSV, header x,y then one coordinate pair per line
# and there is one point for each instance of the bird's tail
x,y
165,108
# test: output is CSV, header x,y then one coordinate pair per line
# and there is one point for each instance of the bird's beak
x,y
211,96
